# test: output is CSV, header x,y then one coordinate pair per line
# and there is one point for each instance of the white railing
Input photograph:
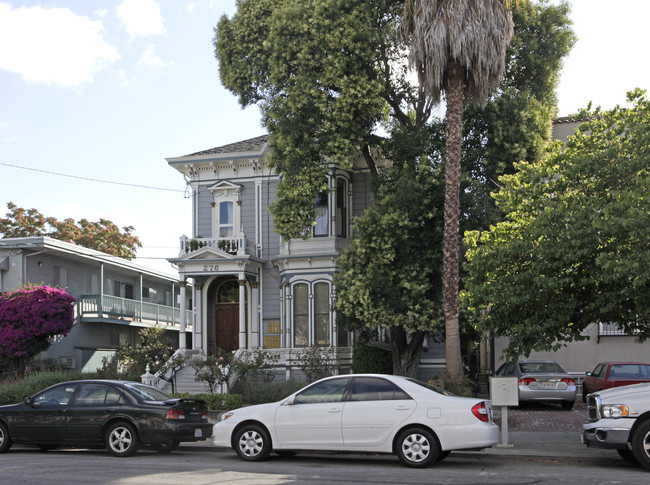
x,y
237,245
113,307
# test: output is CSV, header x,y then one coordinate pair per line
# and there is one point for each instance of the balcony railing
x,y
115,308
236,245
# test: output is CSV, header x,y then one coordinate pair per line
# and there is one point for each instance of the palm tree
x,y
458,49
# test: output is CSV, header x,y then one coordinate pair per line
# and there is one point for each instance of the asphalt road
x,y
201,466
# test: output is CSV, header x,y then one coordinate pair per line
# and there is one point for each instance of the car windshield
x,y
148,393
540,368
431,387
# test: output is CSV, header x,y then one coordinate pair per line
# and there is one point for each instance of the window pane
x,y
321,314
300,315
341,208
225,213
374,389
322,215
328,391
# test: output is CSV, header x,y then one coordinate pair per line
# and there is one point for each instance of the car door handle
x,y
402,408
334,410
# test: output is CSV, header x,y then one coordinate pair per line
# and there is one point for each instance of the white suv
x,y
619,418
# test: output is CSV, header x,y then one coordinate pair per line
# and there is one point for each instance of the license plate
x,y
198,433
548,385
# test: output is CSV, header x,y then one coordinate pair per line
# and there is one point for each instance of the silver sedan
x,y
541,381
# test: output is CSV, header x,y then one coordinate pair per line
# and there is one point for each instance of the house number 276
x,y
210,267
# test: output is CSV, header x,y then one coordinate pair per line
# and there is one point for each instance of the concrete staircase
x,y
184,381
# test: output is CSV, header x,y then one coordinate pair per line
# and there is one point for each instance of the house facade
x,y
114,297
252,289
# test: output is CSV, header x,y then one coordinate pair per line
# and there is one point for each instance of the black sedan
x,y
120,415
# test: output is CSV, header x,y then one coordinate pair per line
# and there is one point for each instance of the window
x,y
321,228
330,390
226,219
57,395
311,314
373,389
341,208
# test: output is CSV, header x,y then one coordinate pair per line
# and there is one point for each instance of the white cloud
x,y
9,139
190,6
53,46
141,18
149,58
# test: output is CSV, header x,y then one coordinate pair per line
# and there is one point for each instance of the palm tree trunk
x,y
451,243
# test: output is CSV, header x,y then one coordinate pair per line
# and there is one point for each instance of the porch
x,y
138,312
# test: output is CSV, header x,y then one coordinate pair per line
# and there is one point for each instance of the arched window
x,y
228,292
312,321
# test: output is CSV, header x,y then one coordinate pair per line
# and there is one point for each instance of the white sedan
x,y
419,423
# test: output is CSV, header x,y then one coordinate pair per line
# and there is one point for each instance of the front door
x,y
227,327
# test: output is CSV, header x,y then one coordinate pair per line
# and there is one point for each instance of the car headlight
x,y
225,416
614,411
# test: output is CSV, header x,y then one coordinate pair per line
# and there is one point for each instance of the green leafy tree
x,y
327,74
155,346
574,248
102,236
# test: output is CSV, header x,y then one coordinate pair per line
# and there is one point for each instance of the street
x,y
206,465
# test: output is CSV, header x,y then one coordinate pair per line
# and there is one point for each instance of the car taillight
x,y
480,411
175,414
205,414
568,381
525,381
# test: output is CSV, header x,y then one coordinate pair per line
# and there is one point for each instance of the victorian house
x,y
249,287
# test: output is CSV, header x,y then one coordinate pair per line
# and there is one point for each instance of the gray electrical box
x,y
504,391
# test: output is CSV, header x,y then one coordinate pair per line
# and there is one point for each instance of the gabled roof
x,y
250,145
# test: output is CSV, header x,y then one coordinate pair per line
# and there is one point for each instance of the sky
x,y
95,94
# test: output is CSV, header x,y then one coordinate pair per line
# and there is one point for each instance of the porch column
x,y
255,316
198,318
242,312
182,334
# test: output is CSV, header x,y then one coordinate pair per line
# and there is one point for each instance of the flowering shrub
x,y
214,370
30,316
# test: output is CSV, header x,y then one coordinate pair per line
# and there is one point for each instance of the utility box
x,y
504,391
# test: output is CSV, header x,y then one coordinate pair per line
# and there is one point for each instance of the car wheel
x,y
166,446
417,448
252,443
121,439
5,439
628,456
567,405
641,444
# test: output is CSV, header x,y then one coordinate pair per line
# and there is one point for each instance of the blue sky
x,y
106,90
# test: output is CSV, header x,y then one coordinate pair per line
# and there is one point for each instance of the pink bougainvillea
x,y
30,316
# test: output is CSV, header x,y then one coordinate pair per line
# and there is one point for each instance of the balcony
x,y
236,245
122,310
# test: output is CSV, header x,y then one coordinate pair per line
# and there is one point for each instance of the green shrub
x,y
15,392
367,359
263,392
215,402
465,387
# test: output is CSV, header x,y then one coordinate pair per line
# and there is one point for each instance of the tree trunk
x,y
406,353
451,243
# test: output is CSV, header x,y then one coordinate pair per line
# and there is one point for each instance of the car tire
x,y
121,439
166,446
641,444
5,439
252,443
417,448
628,456
567,405
443,455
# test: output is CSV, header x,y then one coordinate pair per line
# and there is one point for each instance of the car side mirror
x,y
29,401
290,400
588,374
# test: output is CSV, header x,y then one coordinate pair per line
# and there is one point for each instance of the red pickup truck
x,y
615,374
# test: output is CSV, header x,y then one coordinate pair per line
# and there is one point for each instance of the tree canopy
x,y
329,76
574,248
103,235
